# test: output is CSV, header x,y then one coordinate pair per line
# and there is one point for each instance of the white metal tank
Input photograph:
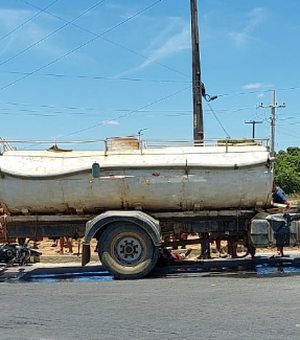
x,y
172,178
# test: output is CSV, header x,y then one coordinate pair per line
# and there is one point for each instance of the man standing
x,y
280,197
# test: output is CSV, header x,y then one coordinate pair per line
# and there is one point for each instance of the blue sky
x,y
72,70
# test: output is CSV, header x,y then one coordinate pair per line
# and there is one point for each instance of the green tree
x,y
287,170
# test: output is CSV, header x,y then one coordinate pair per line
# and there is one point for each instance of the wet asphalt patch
x,y
240,268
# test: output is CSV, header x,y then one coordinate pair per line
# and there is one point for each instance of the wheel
x,y
9,255
241,249
127,251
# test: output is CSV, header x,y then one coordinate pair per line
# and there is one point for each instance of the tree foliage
x,y
287,170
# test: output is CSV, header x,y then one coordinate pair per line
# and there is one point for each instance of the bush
x,y
287,170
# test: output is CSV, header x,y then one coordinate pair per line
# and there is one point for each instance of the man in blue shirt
x,y
279,195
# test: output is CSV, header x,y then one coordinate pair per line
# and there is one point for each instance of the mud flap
x,y
86,254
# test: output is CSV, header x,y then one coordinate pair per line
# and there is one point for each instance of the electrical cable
x,y
128,113
28,20
51,33
218,120
108,40
80,46
100,77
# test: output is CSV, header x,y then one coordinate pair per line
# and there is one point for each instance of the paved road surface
x,y
226,308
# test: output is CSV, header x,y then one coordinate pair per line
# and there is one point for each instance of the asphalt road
x,y
226,308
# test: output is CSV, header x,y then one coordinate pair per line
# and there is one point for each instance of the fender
x,y
102,221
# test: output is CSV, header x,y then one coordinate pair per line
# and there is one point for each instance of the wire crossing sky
x,y
96,69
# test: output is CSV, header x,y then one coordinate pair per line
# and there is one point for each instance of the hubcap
x,y
129,249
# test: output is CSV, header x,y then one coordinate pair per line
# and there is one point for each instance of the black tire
x,y
127,251
9,254
241,249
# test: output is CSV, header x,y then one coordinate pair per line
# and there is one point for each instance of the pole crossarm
x,y
253,122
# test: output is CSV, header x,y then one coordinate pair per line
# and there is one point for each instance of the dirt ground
x,y
48,247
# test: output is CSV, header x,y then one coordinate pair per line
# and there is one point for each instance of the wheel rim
x,y
128,249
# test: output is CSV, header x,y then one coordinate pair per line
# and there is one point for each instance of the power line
x,y
257,91
129,113
51,33
80,46
218,120
289,133
72,108
82,76
28,20
108,40
94,112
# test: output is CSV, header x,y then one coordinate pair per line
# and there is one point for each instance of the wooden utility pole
x,y
196,72
253,122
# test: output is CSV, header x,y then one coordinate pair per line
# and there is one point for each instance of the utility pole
x,y
273,107
196,71
253,122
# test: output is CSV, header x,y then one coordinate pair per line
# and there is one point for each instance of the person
x,y
167,257
217,245
180,234
279,196
62,243
55,243
231,247
2,229
205,246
